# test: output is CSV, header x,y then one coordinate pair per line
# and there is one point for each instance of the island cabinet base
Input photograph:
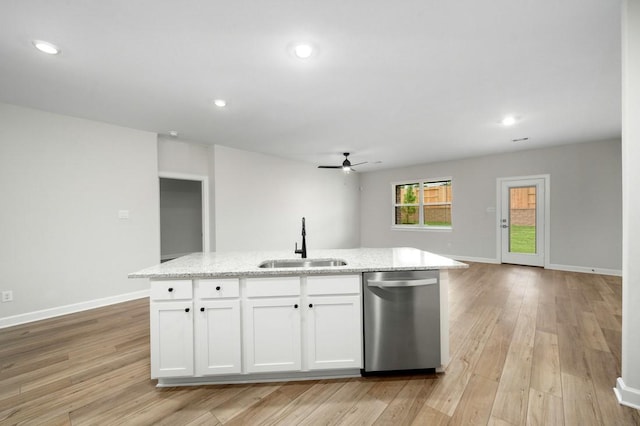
x,y
258,378
263,329
238,330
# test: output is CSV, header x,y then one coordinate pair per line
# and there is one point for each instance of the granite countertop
x,y
245,263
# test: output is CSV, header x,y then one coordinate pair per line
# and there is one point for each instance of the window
x,y
422,204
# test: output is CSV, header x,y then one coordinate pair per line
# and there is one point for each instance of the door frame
x,y
204,180
547,214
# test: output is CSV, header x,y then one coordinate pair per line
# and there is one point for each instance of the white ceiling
x,y
404,82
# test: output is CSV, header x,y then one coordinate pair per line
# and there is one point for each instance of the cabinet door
x,y
171,339
333,332
217,342
272,334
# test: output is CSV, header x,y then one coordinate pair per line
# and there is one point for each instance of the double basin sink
x,y
302,263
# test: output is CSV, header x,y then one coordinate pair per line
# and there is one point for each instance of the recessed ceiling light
x,y
46,47
173,133
303,51
220,103
508,120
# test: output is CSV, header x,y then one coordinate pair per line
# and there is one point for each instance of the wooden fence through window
x,y
522,206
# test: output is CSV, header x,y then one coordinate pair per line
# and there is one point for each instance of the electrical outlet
x,y
7,296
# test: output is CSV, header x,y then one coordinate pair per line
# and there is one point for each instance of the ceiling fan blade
x,y
346,164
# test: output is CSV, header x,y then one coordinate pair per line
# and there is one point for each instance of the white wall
x,y
180,156
63,181
586,218
257,201
628,386
260,201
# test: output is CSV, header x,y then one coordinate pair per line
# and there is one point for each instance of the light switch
x,y
123,214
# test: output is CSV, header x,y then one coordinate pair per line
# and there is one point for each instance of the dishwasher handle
x,y
402,283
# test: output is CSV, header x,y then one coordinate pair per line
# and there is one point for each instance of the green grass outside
x,y
523,239
438,223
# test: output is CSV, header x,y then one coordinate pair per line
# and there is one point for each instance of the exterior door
x,y
522,221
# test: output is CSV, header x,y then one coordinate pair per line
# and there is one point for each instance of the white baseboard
x,y
472,259
626,395
585,269
70,309
568,268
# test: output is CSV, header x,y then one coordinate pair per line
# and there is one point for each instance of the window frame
x,y
420,226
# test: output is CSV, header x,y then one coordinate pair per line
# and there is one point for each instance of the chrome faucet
x,y
302,251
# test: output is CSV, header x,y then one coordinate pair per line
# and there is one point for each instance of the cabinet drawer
x,y
333,284
270,287
217,289
171,290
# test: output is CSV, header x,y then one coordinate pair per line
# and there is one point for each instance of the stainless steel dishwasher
x,y
401,320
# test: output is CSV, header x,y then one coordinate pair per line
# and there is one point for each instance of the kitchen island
x,y
222,318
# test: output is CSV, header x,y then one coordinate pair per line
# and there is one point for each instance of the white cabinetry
x,y
238,327
333,322
171,329
195,336
217,327
295,324
272,325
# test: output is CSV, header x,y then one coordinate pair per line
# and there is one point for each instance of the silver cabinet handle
x,y
401,283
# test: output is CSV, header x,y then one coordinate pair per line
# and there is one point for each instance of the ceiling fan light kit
x,y
346,164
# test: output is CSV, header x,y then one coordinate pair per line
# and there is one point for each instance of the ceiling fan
x,y
346,164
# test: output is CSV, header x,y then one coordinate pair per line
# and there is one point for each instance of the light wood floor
x,y
529,346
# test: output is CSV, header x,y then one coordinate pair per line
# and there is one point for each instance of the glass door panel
x,y
522,220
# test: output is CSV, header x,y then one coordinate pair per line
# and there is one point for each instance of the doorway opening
x,y
523,216
184,207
